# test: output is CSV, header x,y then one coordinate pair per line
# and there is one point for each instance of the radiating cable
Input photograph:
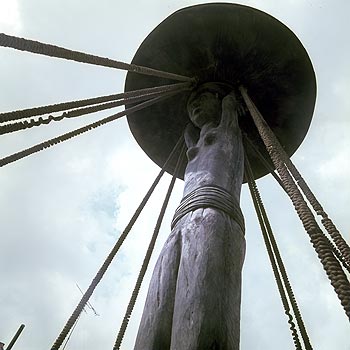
x,y
22,125
328,224
272,257
263,160
85,298
63,106
268,167
40,48
271,242
54,141
148,255
329,262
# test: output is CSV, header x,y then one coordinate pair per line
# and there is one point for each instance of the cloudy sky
x,y
61,210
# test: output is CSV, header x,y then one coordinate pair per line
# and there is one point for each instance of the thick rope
x,y
271,169
336,236
147,256
22,125
209,196
86,296
59,107
330,264
263,160
70,333
272,258
326,221
60,52
272,248
46,144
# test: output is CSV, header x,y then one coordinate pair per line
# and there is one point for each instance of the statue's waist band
x,y
209,197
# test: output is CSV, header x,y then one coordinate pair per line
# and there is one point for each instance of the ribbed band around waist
x,y
209,197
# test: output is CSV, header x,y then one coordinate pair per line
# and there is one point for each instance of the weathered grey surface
x,y
194,296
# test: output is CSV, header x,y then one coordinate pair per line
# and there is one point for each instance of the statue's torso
x,y
216,159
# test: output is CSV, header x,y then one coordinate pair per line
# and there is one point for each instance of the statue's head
x,y
204,104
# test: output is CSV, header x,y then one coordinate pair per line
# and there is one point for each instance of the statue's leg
x,y
155,328
208,294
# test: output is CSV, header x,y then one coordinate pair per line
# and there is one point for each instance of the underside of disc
x,y
228,43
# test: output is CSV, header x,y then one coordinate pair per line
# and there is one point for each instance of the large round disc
x,y
230,43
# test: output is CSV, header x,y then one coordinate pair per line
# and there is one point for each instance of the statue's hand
x,y
231,110
230,103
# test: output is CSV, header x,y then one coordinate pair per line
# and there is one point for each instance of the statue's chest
x,y
213,143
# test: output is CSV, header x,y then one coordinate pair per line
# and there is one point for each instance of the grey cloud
x,y
56,226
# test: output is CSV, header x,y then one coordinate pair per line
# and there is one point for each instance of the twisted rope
x,y
330,264
46,144
328,224
147,258
335,250
9,128
32,112
335,235
209,196
60,52
263,160
86,296
275,256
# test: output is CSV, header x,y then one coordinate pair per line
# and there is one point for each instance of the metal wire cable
x,y
46,144
40,48
330,264
59,107
148,255
22,125
86,296
271,242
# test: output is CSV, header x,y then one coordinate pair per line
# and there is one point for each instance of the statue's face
x,y
204,108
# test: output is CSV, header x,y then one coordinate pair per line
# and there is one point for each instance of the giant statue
x,y
193,300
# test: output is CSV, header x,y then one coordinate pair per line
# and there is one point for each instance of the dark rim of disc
x,y
233,44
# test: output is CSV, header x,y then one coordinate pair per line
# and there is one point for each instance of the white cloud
x,y
336,168
10,19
